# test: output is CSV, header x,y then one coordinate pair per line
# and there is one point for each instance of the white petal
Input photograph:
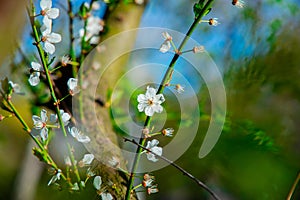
x,y
44,115
46,4
47,26
96,5
34,78
36,66
95,40
88,159
97,182
141,106
153,143
165,47
106,196
49,48
166,35
149,111
151,157
44,134
36,120
141,98
53,118
72,83
151,92
53,13
81,32
157,150
157,108
54,38
83,138
159,98
66,117
74,132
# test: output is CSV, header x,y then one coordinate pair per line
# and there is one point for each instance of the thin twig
x,y
290,194
201,184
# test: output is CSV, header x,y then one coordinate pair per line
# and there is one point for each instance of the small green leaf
x,y
40,154
83,10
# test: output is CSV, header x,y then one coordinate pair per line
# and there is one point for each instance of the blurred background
x,y
256,49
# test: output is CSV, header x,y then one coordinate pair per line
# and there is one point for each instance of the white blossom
x,y
73,86
40,123
65,60
213,22
179,88
168,132
198,49
150,102
152,146
93,28
47,9
78,135
34,77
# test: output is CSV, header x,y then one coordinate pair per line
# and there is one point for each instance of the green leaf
x,y
42,156
197,9
5,85
83,10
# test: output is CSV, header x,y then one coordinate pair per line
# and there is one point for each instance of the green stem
x,y
52,92
136,187
167,78
293,187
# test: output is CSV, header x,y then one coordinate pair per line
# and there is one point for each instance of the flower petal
x,y
36,66
97,182
44,134
141,98
53,13
83,138
44,115
46,4
141,106
34,79
54,38
49,48
165,47
106,196
88,159
149,111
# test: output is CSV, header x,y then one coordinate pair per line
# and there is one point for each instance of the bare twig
x,y
290,194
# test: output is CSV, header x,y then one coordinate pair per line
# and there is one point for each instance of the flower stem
x,y
52,92
167,78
